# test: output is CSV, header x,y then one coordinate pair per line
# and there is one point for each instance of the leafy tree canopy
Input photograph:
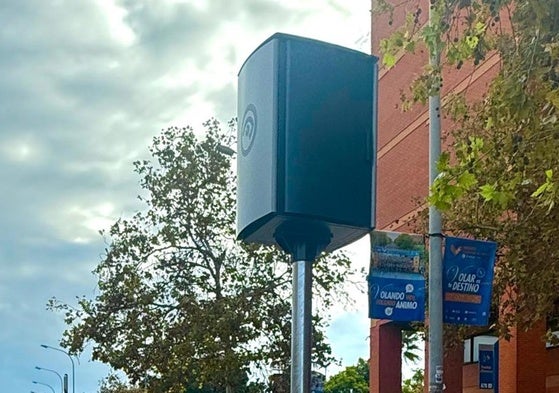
x,y
415,383
405,242
114,384
353,379
410,344
499,178
380,239
181,304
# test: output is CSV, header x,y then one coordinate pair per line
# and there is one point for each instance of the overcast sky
x,y
84,86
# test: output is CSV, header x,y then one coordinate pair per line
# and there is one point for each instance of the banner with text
x,y
488,366
467,281
396,282
397,296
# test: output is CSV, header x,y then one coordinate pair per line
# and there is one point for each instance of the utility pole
x,y
435,228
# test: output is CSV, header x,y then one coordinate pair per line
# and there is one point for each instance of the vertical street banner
x,y
396,282
467,281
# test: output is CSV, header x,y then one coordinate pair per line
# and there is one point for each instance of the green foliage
x,y
405,242
363,369
380,239
410,347
500,182
454,30
547,192
353,379
181,303
415,383
113,384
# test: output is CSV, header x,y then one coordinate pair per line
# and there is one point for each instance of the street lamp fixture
x,y
226,150
52,371
71,359
44,384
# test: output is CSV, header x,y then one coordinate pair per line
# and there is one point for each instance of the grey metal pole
x,y
301,327
435,235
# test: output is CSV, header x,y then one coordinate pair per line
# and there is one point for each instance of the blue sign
x,y
467,281
397,296
488,366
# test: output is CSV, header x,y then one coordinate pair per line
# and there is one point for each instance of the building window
x,y
471,347
553,327
468,350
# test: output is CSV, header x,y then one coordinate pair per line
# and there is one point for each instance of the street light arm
x,y
44,384
55,372
61,350
71,359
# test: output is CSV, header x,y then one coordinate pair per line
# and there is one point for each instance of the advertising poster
x,y
397,296
396,282
467,281
487,366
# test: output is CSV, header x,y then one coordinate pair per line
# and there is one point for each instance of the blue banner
x,y
397,296
467,281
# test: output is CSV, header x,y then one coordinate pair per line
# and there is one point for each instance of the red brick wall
x,y
525,365
523,362
452,369
386,360
403,156
470,379
453,361
552,371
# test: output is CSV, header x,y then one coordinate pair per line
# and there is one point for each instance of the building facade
x,y
525,363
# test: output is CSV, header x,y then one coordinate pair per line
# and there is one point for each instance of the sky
x,y
84,87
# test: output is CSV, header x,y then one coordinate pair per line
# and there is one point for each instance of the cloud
x,y
84,87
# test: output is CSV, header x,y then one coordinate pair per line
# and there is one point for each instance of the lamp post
x,y
52,371
44,384
71,359
435,362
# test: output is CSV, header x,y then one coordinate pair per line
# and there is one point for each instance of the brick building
x,y
526,364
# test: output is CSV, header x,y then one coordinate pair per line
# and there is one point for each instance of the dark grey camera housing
x,y
306,141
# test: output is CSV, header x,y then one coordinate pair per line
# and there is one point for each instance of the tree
x,y
410,338
405,242
415,383
380,239
113,384
501,183
499,178
363,369
354,379
180,302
